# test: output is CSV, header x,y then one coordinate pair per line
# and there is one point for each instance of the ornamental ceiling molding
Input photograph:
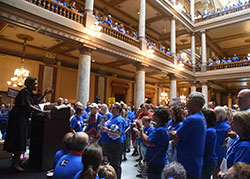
x,y
223,77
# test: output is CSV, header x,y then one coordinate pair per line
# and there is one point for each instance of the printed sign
x,y
12,93
111,101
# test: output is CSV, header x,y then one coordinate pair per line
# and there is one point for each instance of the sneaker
x,y
138,159
124,159
140,176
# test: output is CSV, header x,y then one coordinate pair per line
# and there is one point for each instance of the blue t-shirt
x,y
77,123
68,166
147,131
160,137
173,126
58,155
190,148
221,127
210,145
117,121
240,152
85,115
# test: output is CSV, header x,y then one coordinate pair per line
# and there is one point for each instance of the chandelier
x,y
20,74
164,97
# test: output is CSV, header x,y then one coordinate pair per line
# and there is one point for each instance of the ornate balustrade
x,y
59,9
162,54
188,67
225,66
224,12
119,35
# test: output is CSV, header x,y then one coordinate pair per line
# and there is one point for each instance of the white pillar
x,y
89,6
204,89
89,18
204,50
193,49
140,86
142,24
173,87
173,40
193,88
192,10
83,81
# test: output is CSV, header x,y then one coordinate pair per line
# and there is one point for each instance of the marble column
x,y
173,87
89,18
173,40
193,50
142,25
193,87
83,81
140,86
204,51
48,74
192,10
101,88
204,90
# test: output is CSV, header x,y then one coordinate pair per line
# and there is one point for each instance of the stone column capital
x,y
139,66
171,76
203,31
85,51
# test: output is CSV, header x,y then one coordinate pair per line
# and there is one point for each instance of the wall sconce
x,y
183,99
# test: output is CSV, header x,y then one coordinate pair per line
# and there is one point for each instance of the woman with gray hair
x,y
222,128
174,170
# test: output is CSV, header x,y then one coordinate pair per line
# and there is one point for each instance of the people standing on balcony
x,y
163,49
235,58
105,21
72,6
135,35
115,26
121,28
96,15
109,19
229,60
169,52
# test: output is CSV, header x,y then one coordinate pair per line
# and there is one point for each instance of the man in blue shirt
x,y
190,137
70,164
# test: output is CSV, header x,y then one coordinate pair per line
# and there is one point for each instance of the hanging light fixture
x,y
20,74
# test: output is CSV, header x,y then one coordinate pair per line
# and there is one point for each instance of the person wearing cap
x,y
25,102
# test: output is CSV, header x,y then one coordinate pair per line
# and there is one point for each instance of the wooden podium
x,y
46,137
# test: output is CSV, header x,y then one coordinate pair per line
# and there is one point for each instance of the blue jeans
x,y
154,171
207,170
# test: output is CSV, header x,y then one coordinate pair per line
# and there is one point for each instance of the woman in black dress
x,y
15,141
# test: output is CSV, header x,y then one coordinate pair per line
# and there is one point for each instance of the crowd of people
x,y
187,141
227,9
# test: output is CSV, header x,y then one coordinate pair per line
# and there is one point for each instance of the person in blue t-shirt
x,y
190,137
229,60
109,19
177,118
105,21
240,150
224,60
4,114
113,138
77,122
91,160
67,142
222,128
210,157
115,26
70,164
157,143
235,58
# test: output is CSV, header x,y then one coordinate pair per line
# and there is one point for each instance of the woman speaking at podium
x,y
25,102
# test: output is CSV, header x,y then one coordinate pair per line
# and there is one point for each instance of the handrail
x,y
119,35
188,67
59,9
245,6
228,65
163,55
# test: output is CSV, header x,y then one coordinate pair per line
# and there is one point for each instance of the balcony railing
x,y
163,55
119,35
59,9
225,66
224,12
